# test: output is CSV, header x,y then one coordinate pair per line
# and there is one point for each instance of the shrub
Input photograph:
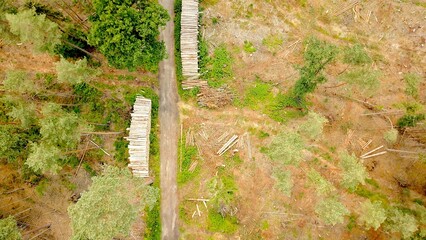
x,y
356,55
283,181
331,211
410,120
258,96
9,229
322,186
313,126
372,214
354,172
391,136
287,148
412,82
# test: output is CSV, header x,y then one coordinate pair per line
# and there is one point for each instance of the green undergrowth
x,y
219,67
188,156
217,223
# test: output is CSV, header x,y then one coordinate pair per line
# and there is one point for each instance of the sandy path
x,y
168,131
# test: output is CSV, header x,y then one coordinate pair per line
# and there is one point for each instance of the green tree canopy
x,y
126,32
108,208
9,230
36,29
372,214
74,73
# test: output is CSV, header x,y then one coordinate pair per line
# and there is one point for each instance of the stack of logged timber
x,y
140,127
189,39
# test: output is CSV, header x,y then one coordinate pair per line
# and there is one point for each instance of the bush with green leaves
x,y
313,126
356,55
317,56
109,207
412,82
126,32
331,211
9,229
322,186
366,80
373,214
391,136
74,73
400,221
287,148
354,172
283,181
36,29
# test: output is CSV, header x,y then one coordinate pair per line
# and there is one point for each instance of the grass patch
x,y
189,156
217,223
273,42
365,80
412,83
41,187
259,96
372,196
219,67
356,55
248,47
283,181
121,154
153,223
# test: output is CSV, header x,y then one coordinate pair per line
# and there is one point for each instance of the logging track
x,y
168,114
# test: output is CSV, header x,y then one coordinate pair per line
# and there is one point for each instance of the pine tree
x,y
354,172
284,183
372,214
322,186
331,211
9,230
74,73
313,126
59,128
287,148
36,29
107,209
24,113
44,158
399,221
19,82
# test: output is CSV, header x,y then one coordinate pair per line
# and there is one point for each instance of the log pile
x,y
214,98
189,39
140,127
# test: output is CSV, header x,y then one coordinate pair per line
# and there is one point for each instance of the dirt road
x,y
168,131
